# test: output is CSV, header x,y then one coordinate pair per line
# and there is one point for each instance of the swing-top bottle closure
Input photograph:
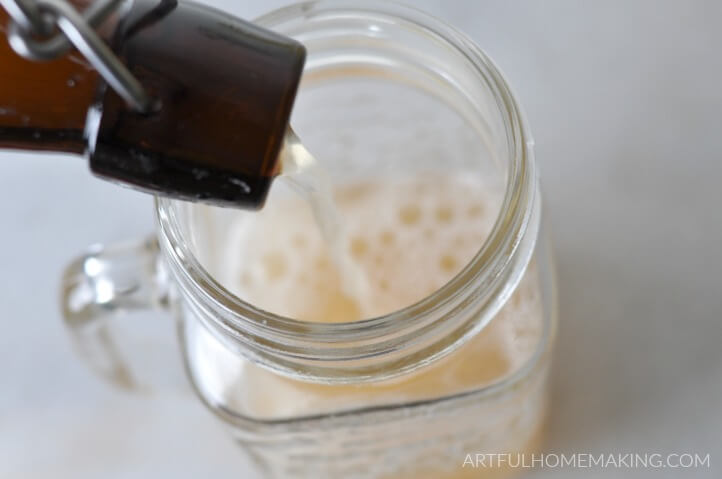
x,y
191,103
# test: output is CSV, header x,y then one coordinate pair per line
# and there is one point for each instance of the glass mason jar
x,y
387,91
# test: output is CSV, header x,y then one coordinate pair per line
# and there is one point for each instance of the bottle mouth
x,y
396,343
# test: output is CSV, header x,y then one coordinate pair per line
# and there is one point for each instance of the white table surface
x,y
624,99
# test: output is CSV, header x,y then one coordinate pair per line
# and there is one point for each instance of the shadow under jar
x,y
451,362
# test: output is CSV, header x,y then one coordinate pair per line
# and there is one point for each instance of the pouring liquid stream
x,y
302,172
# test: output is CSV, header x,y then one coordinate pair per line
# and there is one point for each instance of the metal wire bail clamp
x,y
30,34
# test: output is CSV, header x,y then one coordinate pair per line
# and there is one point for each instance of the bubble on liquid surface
x,y
448,263
409,215
275,265
359,247
444,214
475,210
387,237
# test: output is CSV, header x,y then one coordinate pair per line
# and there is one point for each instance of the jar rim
x,y
407,338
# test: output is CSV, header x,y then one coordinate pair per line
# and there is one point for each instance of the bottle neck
x,y
43,105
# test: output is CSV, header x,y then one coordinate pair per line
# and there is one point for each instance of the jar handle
x,y
103,284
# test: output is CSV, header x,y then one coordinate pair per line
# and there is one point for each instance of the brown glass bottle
x,y
223,90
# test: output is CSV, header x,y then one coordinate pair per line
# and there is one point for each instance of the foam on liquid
x,y
366,249
401,239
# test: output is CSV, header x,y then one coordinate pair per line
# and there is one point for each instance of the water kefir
x,y
388,243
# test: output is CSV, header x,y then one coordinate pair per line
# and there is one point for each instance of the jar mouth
x,y
396,343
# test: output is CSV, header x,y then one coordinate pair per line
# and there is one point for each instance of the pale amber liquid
x,y
404,239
